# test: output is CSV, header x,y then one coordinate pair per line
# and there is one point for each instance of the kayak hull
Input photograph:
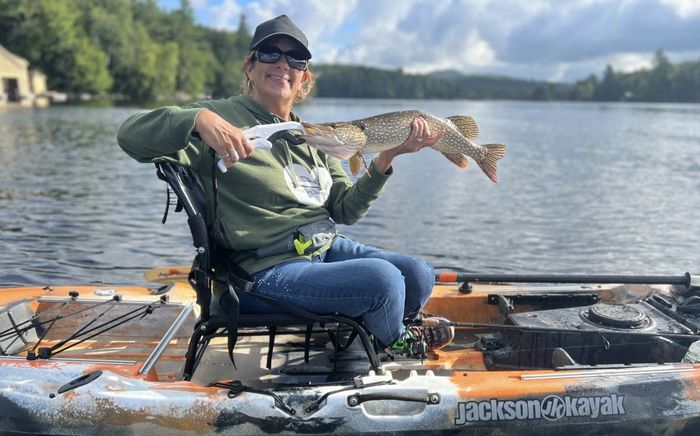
x,y
478,403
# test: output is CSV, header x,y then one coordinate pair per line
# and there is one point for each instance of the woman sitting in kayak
x,y
287,194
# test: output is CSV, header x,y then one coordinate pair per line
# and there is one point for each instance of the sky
x,y
556,40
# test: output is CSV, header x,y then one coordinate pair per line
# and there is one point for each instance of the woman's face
x,y
277,82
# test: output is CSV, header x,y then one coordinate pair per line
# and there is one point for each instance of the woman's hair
x,y
306,86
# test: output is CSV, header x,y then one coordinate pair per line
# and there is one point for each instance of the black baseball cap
x,y
279,26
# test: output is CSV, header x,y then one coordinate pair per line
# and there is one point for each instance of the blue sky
x,y
563,40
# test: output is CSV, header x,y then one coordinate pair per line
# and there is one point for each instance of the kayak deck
x,y
154,345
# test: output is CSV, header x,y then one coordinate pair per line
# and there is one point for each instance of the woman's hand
x,y
419,138
226,140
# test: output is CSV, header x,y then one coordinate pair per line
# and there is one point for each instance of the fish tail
x,y
466,126
458,159
494,152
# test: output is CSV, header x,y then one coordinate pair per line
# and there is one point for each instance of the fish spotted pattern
x,y
349,140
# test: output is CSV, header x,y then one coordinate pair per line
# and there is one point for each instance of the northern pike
x,y
349,140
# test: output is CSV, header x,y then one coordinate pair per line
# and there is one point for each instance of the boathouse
x,y
20,85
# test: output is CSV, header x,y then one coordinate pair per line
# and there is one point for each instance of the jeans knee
x,y
389,284
425,274
420,277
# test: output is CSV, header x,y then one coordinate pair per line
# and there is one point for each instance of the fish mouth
x,y
325,139
319,130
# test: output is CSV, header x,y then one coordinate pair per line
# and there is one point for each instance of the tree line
x,y
365,82
664,82
127,48
133,49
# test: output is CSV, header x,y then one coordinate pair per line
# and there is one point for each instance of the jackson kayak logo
x,y
551,408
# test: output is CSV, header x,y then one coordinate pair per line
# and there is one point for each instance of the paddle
x,y
167,274
688,280
170,274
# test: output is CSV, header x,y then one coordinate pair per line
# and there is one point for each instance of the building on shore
x,y
20,85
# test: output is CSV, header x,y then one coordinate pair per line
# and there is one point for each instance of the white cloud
x,y
225,15
684,8
543,39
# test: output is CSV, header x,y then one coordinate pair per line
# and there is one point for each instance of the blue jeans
x,y
352,279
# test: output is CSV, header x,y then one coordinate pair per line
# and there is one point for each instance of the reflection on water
x,y
584,188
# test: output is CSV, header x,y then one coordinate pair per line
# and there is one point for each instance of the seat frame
x,y
215,320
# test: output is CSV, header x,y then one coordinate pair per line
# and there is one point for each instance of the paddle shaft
x,y
179,273
453,277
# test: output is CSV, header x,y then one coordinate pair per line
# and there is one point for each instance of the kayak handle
x,y
77,382
415,397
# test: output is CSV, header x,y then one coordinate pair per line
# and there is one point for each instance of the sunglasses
x,y
270,55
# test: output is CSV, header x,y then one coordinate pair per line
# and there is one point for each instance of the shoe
x,y
417,341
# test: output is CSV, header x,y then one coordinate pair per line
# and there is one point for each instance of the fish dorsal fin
x,y
355,163
466,126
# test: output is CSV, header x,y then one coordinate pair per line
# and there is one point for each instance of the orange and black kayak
x,y
528,358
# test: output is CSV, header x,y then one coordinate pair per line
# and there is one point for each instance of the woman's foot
x,y
416,341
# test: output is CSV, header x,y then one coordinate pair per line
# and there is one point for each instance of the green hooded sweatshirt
x,y
260,199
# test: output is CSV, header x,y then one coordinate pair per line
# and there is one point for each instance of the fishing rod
x,y
687,280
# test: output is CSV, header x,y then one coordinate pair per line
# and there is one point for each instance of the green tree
x,y
49,35
584,89
196,62
142,69
687,82
609,88
660,87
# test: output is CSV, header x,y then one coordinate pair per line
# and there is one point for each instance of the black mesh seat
x,y
222,316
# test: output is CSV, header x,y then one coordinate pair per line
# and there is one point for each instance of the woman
x,y
269,196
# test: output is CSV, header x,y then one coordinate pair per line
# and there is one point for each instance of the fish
x,y
352,139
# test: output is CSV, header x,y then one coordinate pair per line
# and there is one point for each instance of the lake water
x,y
584,188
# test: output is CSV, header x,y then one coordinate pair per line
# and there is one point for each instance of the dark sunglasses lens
x,y
268,57
299,64
295,59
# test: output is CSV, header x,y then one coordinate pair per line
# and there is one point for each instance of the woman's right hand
x,y
227,140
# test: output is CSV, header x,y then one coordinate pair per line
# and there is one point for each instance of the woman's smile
x,y
278,78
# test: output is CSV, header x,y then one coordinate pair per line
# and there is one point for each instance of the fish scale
x,y
349,140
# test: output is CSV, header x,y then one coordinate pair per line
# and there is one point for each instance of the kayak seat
x,y
222,315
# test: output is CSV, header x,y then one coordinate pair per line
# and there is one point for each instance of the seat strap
x,y
232,330
235,282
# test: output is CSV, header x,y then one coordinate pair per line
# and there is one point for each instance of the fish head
x,y
341,140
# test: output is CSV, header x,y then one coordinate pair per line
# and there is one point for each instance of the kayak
x,y
527,359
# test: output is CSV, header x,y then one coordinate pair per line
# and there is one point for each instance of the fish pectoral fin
x,y
466,126
356,161
458,159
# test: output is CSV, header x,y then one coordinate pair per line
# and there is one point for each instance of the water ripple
x,y
584,188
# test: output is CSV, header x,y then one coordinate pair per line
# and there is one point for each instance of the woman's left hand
x,y
419,138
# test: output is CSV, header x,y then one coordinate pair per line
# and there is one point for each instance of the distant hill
x,y
354,81
447,75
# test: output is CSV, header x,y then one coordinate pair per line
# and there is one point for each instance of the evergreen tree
x,y
660,86
609,88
